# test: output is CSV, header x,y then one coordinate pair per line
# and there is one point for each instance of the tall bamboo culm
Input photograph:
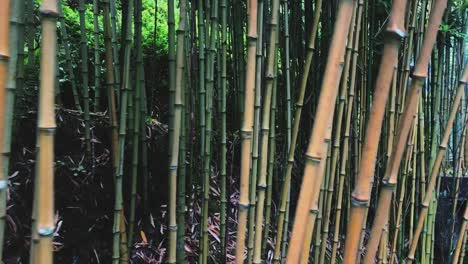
x,y
85,74
438,9
361,194
97,56
410,110
4,84
174,147
118,230
44,195
246,130
285,188
265,130
325,107
461,238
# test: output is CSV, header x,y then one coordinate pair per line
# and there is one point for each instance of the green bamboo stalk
x,y
139,86
209,130
66,45
265,129
115,49
84,74
174,147
223,95
97,59
119,225
31,31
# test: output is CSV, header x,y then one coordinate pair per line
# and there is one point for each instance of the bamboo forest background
x,y
230,131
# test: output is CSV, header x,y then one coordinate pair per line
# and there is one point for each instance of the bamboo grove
x,y
230,131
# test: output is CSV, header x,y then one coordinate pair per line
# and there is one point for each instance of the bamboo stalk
x,y
66,44
361,194
178,105
7,81
438,9
223,173
461,237
97,59
246,131
285,189
265,129
84,74
325,107
46,129
118,230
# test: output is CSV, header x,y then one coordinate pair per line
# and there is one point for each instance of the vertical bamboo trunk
x,y
85,74
115,50
337,137
254,168
30,8
46,129
137,118
209,130
5,83
97,59
66,44
246,130
326,103
361,194
265,130
223,95
285,189
174,147
119,236
438,9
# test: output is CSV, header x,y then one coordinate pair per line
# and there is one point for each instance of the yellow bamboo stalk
x,y
461,237
314,154
361,194
439,10
246,131
4,58
46,130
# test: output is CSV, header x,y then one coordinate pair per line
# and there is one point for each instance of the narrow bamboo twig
x,y
361,194
246,131
46,129
438,9
6,82
314,154
292,147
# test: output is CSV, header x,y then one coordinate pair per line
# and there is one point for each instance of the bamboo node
x,y
396,32
262,186
4,58
313,159
49,13
46,231
359,203
172,228
243,206
3,184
